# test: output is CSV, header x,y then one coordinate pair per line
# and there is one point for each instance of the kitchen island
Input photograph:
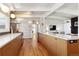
x,y
10,44
60,44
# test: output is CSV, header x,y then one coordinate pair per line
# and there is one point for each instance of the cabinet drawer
x,y
72,46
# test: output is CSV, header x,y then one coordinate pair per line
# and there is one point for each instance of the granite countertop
x,y
5,39
64,36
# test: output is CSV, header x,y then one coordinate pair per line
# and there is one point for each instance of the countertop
x,y
63,36
5,39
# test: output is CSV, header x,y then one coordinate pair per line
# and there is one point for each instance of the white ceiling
x,y
31,6
68,10
48,10
62,14
70,6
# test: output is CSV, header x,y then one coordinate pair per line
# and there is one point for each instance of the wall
x,y
59,24
78,20
4,20
25,27
67,26
78,25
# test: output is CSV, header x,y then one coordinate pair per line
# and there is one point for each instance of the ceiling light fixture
x,y
12,15
4,8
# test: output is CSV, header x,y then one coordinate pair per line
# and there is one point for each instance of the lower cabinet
x,y
12,48
53,46
0,52
73,47
59,47
49,43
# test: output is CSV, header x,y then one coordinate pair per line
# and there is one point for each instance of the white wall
x,y
67,26
25,27
78,20
59,24
4,20
6,23
78,25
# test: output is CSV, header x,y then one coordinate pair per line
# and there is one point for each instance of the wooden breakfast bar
x,y
60,44
10,44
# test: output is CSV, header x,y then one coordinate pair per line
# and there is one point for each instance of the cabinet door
x,y
78,47
12,48
73,47
61,47
40,37
0,52
18,42
9,49
51,44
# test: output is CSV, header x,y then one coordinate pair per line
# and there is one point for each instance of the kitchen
x,y
53,25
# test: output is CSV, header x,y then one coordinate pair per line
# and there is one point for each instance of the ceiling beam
x,y
57,17
70,12
24,15
54,8
19,9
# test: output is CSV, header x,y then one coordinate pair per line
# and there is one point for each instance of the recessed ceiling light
x,y
37,22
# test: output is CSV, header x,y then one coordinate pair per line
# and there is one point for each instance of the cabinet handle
x,y
72,41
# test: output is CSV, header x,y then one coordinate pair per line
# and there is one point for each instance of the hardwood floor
x,y
28,49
